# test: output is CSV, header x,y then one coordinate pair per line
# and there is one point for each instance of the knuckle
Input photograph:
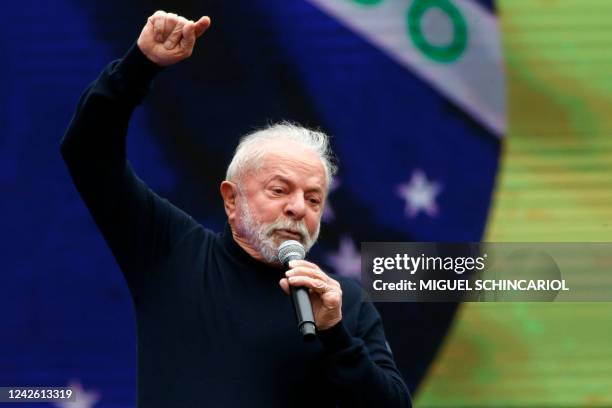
x,y
334,302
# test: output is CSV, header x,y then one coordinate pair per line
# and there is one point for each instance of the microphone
x,y
290,251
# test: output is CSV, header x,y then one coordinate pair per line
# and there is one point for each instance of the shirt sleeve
x,y
360,366
140,227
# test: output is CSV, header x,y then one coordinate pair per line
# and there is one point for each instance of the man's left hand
x,y
325,292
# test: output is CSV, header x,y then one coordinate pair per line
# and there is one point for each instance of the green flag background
x,y
555,186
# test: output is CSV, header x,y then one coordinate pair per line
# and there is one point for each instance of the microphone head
x,y
290,250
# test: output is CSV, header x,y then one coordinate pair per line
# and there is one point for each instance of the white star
x,y
328,211
83,399
347,261
420,195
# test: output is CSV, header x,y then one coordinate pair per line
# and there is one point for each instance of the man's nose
x,y
296,207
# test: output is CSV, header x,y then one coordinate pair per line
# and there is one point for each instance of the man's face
x,y
281,200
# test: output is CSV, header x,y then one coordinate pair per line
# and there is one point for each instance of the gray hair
x,y
249,153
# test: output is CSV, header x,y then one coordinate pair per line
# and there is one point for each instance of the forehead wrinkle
x,y
292,150
287,180
288,165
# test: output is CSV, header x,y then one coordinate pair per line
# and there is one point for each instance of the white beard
x,y
260,236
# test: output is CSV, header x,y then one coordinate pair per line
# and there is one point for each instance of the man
x,y
214,328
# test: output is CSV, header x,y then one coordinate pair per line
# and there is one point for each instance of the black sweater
x,y
214,327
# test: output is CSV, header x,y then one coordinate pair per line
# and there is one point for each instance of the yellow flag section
x,y
555,185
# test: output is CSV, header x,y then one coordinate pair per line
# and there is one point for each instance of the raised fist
x,y
168,38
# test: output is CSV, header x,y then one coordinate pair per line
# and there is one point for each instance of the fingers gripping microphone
x,y
291,251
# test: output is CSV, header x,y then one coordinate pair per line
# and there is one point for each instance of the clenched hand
x,y
325,292
168,38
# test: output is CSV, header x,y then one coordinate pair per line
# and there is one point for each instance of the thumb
x,y
284,284
189,37
202,25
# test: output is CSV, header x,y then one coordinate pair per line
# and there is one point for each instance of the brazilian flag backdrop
x,y
453,120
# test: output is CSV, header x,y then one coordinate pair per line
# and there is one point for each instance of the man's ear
x,y
229,193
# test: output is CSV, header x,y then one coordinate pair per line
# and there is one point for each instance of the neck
x,y
248,248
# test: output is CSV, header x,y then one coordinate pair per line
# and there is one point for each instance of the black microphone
x,y
291,251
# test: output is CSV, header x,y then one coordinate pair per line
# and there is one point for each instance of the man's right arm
x,y
139,226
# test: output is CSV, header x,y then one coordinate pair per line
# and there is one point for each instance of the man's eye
x,y
277,190
315,201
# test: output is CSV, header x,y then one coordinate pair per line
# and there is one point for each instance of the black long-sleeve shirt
x,y
214,328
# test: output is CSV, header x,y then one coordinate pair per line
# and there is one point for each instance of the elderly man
x,y
214,328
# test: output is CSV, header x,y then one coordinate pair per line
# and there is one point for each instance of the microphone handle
x,y
303,312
